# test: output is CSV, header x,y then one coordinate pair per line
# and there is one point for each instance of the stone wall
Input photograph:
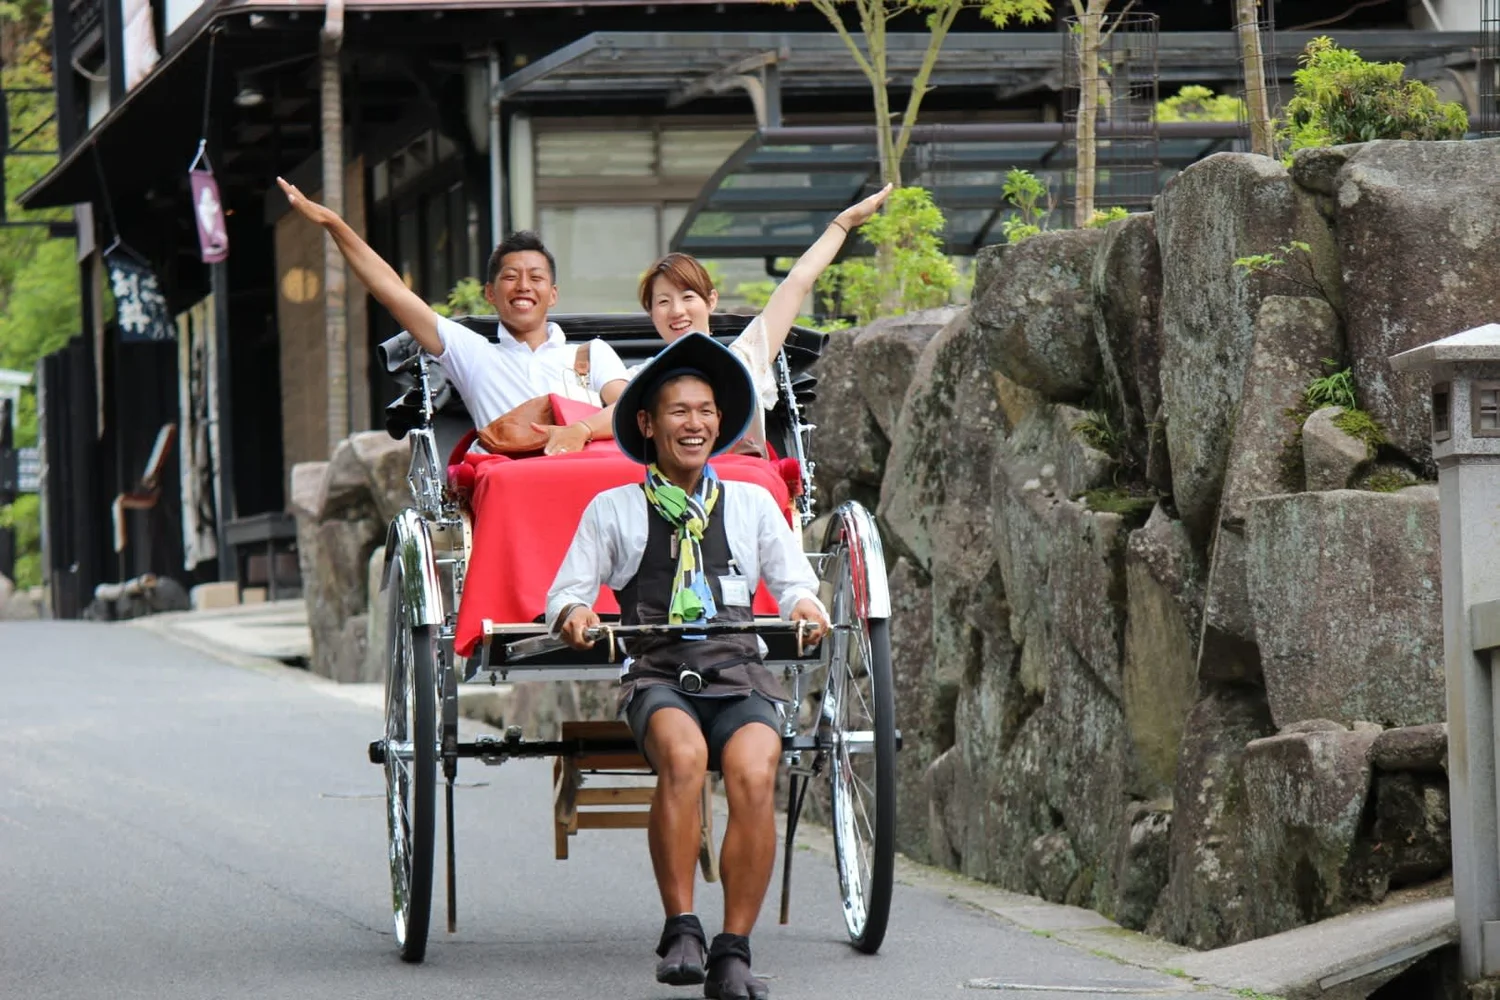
x,y
1153,655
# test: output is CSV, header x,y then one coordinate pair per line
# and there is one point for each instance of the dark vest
x,y
731,665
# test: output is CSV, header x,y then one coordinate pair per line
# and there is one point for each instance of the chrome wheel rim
x,y
401,702
849,716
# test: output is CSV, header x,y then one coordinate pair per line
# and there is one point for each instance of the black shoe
x,y
729,975
682,952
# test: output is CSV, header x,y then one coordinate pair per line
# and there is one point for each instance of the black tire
x,y
864,844
410,770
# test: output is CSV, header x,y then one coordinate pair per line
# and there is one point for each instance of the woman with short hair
x,y
678,293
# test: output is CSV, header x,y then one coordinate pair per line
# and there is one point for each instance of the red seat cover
x,y
526,512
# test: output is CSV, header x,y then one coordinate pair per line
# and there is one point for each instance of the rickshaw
x,y
840,737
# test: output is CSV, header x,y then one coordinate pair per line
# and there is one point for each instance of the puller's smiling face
x,y
676,311
683,425
523,290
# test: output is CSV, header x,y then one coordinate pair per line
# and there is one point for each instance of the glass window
x,y
601,252
602,153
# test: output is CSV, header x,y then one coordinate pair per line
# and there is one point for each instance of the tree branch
x,y
919,88
829,10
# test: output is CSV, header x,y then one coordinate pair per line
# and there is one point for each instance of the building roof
x,y
616,62
779,190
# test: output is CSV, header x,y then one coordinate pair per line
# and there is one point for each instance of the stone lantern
x,y
1465,373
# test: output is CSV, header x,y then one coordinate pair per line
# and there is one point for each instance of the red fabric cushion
x,y
526,513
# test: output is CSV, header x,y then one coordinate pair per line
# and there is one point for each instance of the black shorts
x,y
718,717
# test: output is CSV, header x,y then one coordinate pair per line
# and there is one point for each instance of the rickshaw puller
x,y
684,547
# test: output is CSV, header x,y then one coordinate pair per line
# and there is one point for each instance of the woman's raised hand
x,y
858,215
318,214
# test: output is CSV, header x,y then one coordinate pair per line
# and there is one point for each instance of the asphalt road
x,y
173,826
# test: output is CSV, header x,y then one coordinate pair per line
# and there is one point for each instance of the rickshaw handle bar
x,y
537,645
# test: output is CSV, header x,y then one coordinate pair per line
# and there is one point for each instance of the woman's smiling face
x,y
675,310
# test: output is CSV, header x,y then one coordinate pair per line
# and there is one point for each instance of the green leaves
x,y
1341,98
1195,103
919,276
1025,191
1002,12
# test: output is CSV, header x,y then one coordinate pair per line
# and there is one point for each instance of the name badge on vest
x,y
735,590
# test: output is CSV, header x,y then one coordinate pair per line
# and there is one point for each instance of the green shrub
x,y
465,299
1333,389
25,516
1341,98
1104,216
919,274
1026,193
1195,103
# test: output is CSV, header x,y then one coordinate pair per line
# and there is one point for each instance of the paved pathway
x,y
175,826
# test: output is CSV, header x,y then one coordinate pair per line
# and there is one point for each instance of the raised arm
x,y
414,315
782,308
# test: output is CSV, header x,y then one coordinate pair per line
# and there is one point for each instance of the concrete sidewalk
x,y
1345,958
271,630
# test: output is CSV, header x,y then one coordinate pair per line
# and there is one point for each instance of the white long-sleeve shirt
x,y
611,540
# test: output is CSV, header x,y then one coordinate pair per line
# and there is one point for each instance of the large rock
x,y
1412,748
923,714
1204,903
377,626
1126,287
1305,796
947,794
1292,336
1345,588
1224,207
935,496
1143,862
1048,446
335,563
309,485
348,479
1330,454
1419,240
1033,303
1413,827
1063,571
1164,588
848,450
886,353
387,463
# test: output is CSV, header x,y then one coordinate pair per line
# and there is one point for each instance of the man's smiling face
x,y
683,424
523,291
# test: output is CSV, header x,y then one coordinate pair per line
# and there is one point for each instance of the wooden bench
x,y
580,803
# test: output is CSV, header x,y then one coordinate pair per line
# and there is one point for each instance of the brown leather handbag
x,y
512,433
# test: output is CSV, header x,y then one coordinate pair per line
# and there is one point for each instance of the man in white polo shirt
x,y
493,379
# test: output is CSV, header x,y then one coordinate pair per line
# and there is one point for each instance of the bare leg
x,y
751,758
677,750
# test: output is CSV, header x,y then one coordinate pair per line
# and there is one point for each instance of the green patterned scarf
x,y
692,598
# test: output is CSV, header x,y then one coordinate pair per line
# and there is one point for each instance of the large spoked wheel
x,y
410,770
858,717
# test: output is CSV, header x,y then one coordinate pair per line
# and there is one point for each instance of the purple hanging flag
x,y
208,212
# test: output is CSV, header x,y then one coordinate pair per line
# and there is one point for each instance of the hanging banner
x,y
208,212
140,307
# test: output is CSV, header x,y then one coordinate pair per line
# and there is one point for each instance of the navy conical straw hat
x,y
691,354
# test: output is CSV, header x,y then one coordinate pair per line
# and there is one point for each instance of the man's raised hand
x,y
575,627
807,610
319,215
